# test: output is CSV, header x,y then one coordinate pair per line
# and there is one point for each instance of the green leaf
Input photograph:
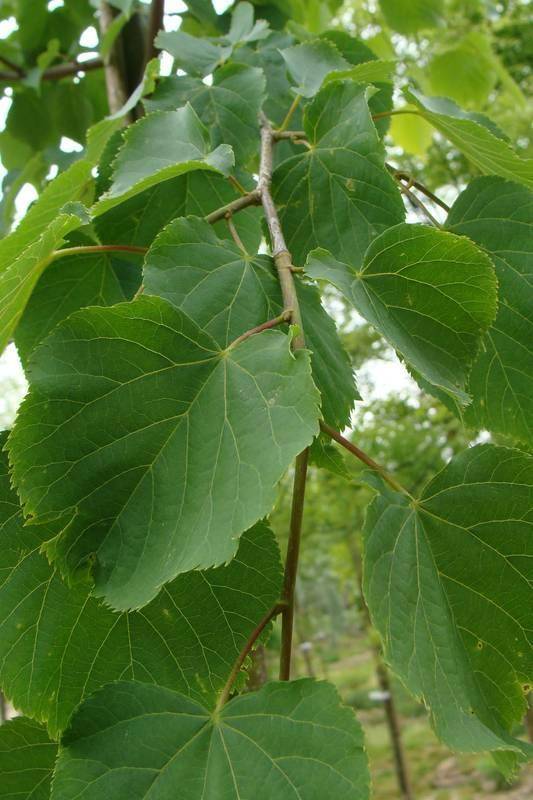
x,y
227,292
71,283
338,194
27,758
446,581
498,216
411,16
57,645
146,86
18,280
322,454
431,294
194,441
75,183
195,56
367,72
243,29
229,107
475,136
359,54
158,147
289,740
267,55
138,220
412,133
309,63
465,72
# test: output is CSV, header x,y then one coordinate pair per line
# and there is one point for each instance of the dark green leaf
x,y
71,283
289,740
27,758
138,220
431,294
229,107
158,147
227,293
448,584
195,56
498,215
164,449
309,63
337,195
268,57
57,645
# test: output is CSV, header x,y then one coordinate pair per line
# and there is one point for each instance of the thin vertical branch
x,y
382,675
284,266
291,564
117,92
155,24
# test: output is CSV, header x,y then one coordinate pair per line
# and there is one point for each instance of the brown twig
x,y
291,563
54,73
277,135
155,24
284,266
11,64
362,456
250,199
411,182
116,83
265,326
246,650
416,201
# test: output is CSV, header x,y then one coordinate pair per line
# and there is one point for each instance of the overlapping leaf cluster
x,y
135,556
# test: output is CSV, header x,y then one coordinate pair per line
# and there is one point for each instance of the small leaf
x,y
267,55
227,292
309,63
338,194
431,294
229,107
448,585
57,645
158,147
359,54
475,136
27,759
368,72
498,215
242,27
287,740
322,454
195,56
164,449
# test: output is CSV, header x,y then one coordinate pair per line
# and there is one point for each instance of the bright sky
x,y
378,378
